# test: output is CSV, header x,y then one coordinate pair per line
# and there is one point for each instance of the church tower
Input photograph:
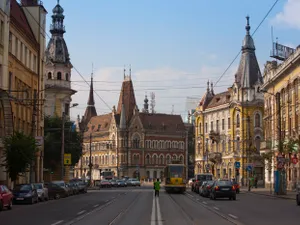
x,y
58,68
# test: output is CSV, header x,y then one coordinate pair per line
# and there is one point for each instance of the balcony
x,y
215,157
214,136
58,83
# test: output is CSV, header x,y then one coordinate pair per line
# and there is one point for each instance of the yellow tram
x,y
175,177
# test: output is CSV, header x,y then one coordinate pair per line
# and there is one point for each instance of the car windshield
x,y
22,187
209,183
204,177
38,186
224,183
62,184
120,181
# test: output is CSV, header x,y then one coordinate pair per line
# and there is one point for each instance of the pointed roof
x,y
127,98
91,101
248,73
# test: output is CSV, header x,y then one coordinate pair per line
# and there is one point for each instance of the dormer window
x,y
59,76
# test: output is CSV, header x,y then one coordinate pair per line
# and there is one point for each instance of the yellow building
x,y
282,80
23,80
228,125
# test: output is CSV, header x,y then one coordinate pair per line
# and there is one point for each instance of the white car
x,y
134,182
42,191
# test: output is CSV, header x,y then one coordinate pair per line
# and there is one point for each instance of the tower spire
x,y
91,101
130,71
248,25
57,27
207,89
124,72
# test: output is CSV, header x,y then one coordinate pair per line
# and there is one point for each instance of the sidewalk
x,y
266,192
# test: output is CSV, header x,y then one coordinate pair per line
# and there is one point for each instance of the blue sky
x,y
169,44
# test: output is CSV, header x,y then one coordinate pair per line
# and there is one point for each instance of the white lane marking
x,y
197,199
189,195
204,203
79,213
216,208
158,212
233,216
153,212
58,222
96,205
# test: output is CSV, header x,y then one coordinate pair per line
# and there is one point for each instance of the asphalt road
x,y
138,206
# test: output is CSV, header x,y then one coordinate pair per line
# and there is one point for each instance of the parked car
x,y
65,186
105,183
237,186
114,183
121,183
206,188
6,198
82,186
25,193
135,182
223,189
56,191
42,191
74,187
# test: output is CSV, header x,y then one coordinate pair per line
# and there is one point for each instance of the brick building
x,y
129,142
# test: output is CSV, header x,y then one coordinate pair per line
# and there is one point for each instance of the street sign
x,y
237,165
249,168
67,159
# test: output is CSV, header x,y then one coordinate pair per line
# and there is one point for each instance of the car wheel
x,y
10,205
234,197
1,205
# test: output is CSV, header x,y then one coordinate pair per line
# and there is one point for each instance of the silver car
x,y
42,191
135,182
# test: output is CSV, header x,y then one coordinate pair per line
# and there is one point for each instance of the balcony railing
x,y
58,83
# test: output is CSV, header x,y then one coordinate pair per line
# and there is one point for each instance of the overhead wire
x,y
264,18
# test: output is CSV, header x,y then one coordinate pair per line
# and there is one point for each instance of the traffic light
x,y
237,172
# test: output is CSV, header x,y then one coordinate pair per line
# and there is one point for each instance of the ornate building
x,y
58,68
228,125
282,80
129,142
23,81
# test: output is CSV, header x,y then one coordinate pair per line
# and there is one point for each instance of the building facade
x,y
23,81
228,125
281,86
58,69
129,142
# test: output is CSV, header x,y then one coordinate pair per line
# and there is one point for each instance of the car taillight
x,y
216,188
233,187
208,187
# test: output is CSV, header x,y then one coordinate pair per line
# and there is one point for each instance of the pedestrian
x,y
157,187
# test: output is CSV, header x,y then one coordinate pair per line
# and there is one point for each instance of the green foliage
x,y
52,148
19,152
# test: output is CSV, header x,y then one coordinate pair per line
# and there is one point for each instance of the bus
x,y
106,175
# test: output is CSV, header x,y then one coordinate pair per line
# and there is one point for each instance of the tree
x,y
52,147
19,152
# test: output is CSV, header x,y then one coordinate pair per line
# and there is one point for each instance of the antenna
x,y
172,110
152,102
130,70
92,69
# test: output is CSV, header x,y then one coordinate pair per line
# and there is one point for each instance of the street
x,y
137,205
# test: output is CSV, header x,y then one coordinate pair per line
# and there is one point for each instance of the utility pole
x,y
62,145
90,164
33,133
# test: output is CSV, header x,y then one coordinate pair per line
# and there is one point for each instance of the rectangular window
x,y
29,60
211,125
21,52
10,42
206,128
34,64
16,47
223,124
67,109
2,32
26,56
217,126
229,123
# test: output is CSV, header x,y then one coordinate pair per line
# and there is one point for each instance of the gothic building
x,y
129,142
229,125
58,68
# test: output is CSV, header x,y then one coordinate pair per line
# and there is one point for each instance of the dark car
x,y
56,191
114,183
6,197
206,188
25,193
121,183
82,186
223,189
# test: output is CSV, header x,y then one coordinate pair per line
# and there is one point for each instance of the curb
x,y
269,195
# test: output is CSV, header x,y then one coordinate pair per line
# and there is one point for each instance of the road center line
x,y
83,211
96,205
58,222
153,212
216,208
233,216
158,212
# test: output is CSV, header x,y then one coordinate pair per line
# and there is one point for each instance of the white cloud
x,y
170,86
289,16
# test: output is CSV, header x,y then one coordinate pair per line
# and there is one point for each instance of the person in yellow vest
x,y
157,187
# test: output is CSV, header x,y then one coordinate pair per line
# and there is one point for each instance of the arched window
x,y
257,120
237,120
58,75
49,75
67,77
168,159
161,159
223,146
155,160
181,158
148,159
136,141
174,157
